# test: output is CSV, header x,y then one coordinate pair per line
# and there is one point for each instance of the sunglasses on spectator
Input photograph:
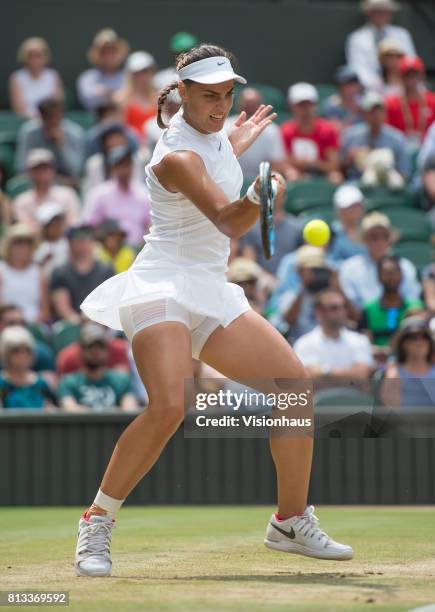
x,y
98,343
417,336
379,236
20,349
332,307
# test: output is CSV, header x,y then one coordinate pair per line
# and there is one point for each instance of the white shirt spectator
x,y
362,50
358,277
269,146
427,149
95,173
349,349
34,90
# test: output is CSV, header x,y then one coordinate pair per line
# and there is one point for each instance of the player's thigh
x,y
163,356
251,348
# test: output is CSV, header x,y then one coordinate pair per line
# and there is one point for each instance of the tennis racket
x,y
267,197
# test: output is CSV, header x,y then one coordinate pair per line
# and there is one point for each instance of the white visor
x,y
209,71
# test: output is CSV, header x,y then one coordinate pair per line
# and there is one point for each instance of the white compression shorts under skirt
x,y
139,316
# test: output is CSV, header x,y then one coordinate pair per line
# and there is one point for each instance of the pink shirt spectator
x,y
131,208
26,204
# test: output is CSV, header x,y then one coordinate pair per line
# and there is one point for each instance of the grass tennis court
x,y
212,558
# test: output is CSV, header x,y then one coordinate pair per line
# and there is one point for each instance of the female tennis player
x,y
175,303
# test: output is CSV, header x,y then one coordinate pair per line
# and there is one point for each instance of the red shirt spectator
x,y
323,135
69,358
413,111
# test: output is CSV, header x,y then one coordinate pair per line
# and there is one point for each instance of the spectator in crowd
x,y
107,113
6,215
342,109
120,198
43,356
287,238
113,249
409,381
53,248
428,281
69,359
267,147
330,349
151,129
20,387
249,276
413,111
138,98
41,171
73,281
22,282
296,305
180,42
63,137
362,44
426,167
373,151
390,79
382,317
34,82
107,54
310,141
349,208
96,387
359,275
97,170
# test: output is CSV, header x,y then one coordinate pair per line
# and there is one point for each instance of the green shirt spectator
x,y
382,321
98,395
34,394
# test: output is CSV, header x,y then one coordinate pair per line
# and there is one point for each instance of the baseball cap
x,y
389,45
110,226
347,195
183,41
370,100
302,92
379,5
39,157
91,332
117,154
140,60
47,212
310,257
345,74
407,63
375,219
80,230
243,269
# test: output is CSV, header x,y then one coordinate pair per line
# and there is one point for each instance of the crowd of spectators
x,y
352,309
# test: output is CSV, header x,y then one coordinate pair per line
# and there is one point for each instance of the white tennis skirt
x,y
199,292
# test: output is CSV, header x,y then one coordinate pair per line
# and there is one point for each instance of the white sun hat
x,y
302,92
348,195
210,71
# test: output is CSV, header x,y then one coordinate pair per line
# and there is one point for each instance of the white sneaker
x,y
301,535
93,546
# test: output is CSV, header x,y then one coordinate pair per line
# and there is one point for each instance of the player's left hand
x,y
246,131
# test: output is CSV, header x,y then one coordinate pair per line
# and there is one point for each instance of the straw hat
x,y
104,37
18,231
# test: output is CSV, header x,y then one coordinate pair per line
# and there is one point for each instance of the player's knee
x,y
168,414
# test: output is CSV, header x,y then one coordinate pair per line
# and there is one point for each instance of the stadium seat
x,y
17,185
325,213
7,160
381,199
64,333
10,123
84,118
271,95
346,398
420,253
412,224
324,90
304,195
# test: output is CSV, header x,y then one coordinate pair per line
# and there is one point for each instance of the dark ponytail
x,y
203,51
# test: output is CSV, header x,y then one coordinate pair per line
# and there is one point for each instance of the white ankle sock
x,y
109,504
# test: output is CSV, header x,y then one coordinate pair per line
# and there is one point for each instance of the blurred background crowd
x,y
358,153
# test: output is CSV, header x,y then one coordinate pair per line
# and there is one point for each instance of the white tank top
x,y
21,287
180,234
33,90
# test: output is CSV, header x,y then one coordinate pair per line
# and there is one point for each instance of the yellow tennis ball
x,y
316,232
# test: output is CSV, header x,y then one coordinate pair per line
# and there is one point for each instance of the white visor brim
x,y
219,77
